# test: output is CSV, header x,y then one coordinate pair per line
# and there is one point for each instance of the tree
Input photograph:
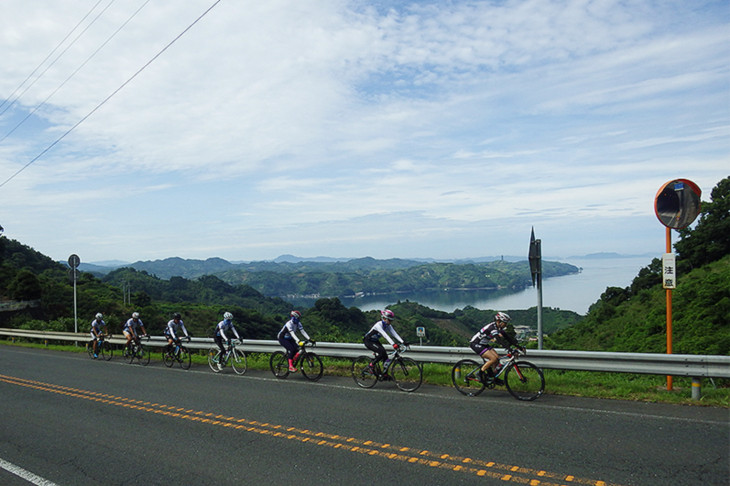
x,y
710,239
25,286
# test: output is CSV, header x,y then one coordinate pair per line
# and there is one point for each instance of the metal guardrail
x,y
698,366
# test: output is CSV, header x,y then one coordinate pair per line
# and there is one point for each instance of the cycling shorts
x,y
479,348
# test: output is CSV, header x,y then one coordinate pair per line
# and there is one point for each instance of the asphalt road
x,y
73,421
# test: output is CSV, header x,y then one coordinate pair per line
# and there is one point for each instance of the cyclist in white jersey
x,y
383,328
288,338
221,332
131,327
173,330
98,326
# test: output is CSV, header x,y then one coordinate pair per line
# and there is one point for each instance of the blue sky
x,y
350,129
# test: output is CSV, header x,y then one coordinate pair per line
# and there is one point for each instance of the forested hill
x,y
633,319
361,275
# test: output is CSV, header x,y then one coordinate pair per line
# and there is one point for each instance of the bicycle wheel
x,y
132,353
524,380
184,358
279,364
407,374
363,374
465,377
90,348
167,357
238,361
311,366
143,355
213,355
107,350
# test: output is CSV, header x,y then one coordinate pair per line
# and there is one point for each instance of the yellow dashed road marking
x,y
517,474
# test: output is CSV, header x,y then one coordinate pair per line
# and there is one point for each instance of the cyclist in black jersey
x,y
481,343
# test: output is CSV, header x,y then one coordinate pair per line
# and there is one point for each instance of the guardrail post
x,y
696,388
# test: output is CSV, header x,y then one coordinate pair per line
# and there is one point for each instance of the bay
x,y
575,292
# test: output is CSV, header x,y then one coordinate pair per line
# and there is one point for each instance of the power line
x,y
73,73
103,102
57,57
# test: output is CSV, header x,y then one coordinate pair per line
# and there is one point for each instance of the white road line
x,y
27,475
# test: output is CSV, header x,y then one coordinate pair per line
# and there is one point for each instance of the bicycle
x,y
407,373
306,361
236,357
177,353
104,349
523,380
137,351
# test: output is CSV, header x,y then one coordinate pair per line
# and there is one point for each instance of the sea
x,y
576,292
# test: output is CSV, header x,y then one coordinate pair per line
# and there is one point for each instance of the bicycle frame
x,y
523,380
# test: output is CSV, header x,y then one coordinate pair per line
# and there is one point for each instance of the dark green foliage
x,y
24,286
710,239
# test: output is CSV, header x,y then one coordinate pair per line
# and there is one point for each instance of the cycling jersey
x,y
289,330
173,327
96,327
131,325
224,326
489,333
383,329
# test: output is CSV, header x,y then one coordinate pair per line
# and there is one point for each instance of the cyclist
x,y
98,326
174,326
130,329
288,337
383,328
481,343
221,329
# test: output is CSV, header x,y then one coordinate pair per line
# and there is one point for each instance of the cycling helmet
x,y
387,314
176,315
502,317
135,315
295,314
227,316
99,316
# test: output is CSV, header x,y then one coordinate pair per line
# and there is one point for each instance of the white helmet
x,y
135,315
387,314
502,317
228,316
99,316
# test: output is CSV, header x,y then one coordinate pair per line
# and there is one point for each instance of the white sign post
x,y
421,333
74,261
669,271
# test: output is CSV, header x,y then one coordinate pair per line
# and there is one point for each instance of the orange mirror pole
x,y
669,310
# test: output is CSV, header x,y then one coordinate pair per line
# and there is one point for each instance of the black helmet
x,y
176,315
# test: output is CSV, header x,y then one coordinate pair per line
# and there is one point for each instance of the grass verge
x,y
619,386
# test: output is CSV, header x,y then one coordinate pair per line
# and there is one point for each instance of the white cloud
x,y
309,127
